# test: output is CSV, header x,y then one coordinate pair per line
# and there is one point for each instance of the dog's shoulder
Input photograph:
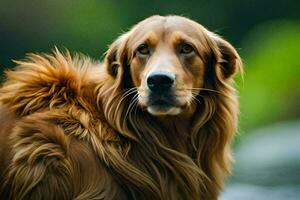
x,y
49,155
44,81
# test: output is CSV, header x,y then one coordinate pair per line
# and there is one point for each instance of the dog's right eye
x,y
186,49
143,49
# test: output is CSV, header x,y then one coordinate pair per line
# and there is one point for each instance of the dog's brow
x,y
178,37
151,38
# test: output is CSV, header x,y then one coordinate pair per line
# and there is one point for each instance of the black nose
x,y
160,82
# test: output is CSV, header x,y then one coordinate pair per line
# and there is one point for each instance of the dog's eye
x,y
143,49
186,49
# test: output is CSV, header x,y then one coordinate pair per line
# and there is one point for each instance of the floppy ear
x,y
228,62
116,55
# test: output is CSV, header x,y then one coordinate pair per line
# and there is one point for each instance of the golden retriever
x,y
153,121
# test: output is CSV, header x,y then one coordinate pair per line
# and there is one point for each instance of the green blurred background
x,y
266,34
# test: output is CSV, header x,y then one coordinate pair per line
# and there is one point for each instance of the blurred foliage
x,y
270,92
90,25
266,33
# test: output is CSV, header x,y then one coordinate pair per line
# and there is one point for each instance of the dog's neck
x,y
177,130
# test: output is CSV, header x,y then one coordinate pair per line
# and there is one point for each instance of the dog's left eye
x,y
143,49
186,49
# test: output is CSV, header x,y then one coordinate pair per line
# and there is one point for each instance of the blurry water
x,y
267,165
241,191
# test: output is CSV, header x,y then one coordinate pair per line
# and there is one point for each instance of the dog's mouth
x,y
162,106
164,103
161,102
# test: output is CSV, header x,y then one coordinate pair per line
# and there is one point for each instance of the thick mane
x,y
151,158
168,159
156,159
174,157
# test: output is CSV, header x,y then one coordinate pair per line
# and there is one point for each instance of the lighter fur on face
x,y
81,131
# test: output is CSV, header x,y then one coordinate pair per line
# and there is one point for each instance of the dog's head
x,y
169,60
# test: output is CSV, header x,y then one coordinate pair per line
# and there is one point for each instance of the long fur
x,y
74,132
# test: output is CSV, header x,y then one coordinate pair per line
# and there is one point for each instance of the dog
x,y
154,120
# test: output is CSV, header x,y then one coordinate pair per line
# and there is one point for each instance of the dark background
x,y
89,26
266,33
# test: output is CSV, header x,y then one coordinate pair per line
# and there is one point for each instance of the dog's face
x,y
166,67
167,59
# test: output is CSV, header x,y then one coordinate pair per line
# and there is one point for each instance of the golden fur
x,y
70,127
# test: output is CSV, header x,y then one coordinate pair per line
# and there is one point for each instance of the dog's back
x,y
6,123
45,148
